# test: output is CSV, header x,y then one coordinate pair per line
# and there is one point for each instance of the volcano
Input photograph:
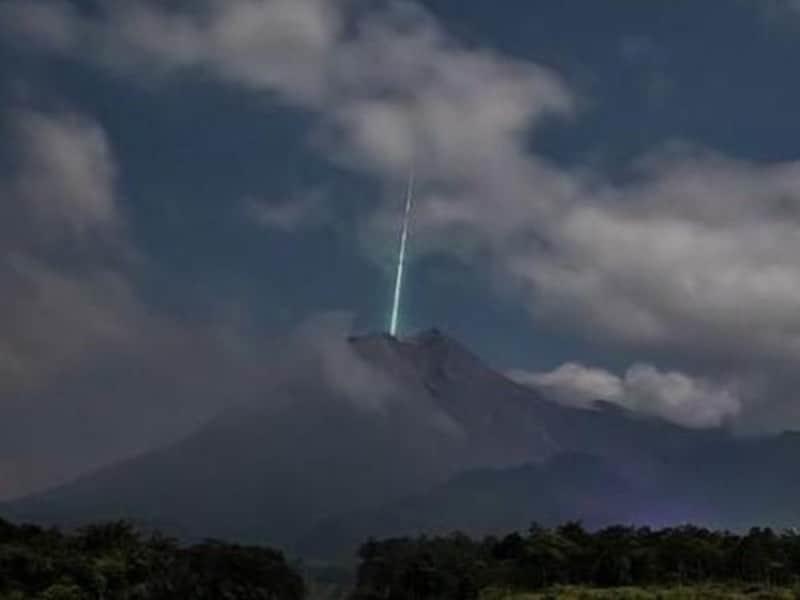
x,y
384,436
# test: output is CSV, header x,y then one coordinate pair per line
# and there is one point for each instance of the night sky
x,y
608,204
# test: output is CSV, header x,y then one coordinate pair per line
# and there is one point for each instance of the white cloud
x,y
319,348
582,384
691,401
323,349
63,186
698,254
303,210
392,72
279,44
674,396
69,174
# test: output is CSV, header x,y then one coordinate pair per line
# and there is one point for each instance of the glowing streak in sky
x,y
401,259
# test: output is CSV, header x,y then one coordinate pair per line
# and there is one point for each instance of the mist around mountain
x,y
378,436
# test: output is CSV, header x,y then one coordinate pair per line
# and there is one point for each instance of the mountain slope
x,y
486,501
377,435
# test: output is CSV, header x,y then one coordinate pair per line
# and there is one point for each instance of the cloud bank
x,y
674,396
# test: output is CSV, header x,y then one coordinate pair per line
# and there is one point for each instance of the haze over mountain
x,y
417,434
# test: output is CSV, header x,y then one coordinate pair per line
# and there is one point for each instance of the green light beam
x,y
401,259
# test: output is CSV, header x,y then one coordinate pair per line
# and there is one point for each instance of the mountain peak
x,y
430,350
430,335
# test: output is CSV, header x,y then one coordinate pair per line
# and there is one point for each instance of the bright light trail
x,y
401,259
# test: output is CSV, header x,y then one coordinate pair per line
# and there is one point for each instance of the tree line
x,y
114,562
460,568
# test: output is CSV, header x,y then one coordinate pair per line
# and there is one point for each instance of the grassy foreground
x,y
700,592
